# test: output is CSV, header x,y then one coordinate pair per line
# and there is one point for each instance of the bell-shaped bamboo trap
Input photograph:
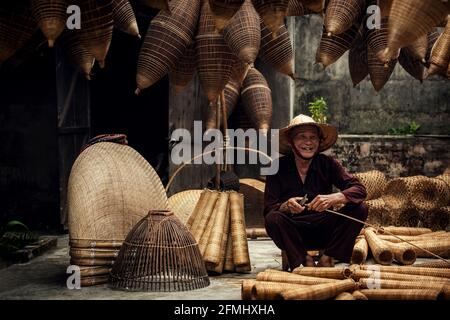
x,y
297,8
360,251
411,65
380,250
272,13
340,15
410,19
75,51
257,99
158,4
357,62
51,17
379,72
231,93
214,58
97,27
124,18
440,54
223,11
167,39
243,33
277,51
16,27
320,291
184,70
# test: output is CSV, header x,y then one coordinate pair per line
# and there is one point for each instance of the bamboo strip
x,y
320,291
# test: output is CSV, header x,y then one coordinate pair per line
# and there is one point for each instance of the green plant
x,y
318,110
411,128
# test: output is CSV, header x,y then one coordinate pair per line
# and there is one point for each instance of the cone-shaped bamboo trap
x,y
297,8
183,203
16,27
440,53
184,70
401,294
276,51
374,181
272,12
379,73
411,65
159,254
75,51
167,39
432,38
214,58
357,62
51,17
380,250
97,27
332,47
124,18
360,251
377,39
257,99
231,92
418,49
323,272
158,4
342,14
410,19
224,10
243,33
320,291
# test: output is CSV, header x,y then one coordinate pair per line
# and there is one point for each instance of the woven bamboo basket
x,y
110,188
101,262
401,294
378,211
214,58
257,99
280,276
440,246
411,65
265,290
438,219
379,73
374,181
86,272
443,273
360,251
332,47
231,93
183,203
396,193
158,4
219,267
243,33
323,272
224,10
440,53
376,39
403,253
97,30
241,256
16,27
380,250
428,194
357,62
418,48
85,253
51,17
433,264
358,295
198,208
94,244
203,242
77,54
345,296
94,280
276,51
432,38
297,8
159,254
409,19
203,214
409,217
341,14
446,179
184,70
381,275
272,12
404,231
167,39
239,71
124,18
320,291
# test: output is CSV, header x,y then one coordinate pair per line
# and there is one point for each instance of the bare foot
x,y
309,261
325,261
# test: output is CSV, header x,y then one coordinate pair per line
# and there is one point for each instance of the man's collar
x,y
313,166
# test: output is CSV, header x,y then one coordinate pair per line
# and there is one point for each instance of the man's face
x,y
306,140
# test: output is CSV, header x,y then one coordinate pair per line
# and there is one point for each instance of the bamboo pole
x,y
280,276
443,273
325,272
401,294
241,255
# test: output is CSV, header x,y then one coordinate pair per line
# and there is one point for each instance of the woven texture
x,y
167,39
77,54
159,254
266,290
380,250
183,203
111,187
224,10
377,39
231,93
184,70
401,294
323,272
158,4
378,211
320,291
341,14
124,18
272,12
51,17
374,181
379,73
440,53
411,65
357,62
297,8
360,251
280,276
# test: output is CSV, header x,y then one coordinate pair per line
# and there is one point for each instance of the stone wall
x,y
361,110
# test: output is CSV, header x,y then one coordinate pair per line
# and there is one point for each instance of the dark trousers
x,y
316,230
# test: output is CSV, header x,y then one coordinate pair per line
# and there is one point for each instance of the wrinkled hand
x,y
326,201
292,206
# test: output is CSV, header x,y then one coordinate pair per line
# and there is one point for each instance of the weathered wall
x,y
361,110
395,156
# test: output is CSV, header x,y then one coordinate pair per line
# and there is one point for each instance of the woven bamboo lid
x,y
111,187
183,203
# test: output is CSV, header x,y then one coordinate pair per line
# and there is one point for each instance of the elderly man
x,y
304,171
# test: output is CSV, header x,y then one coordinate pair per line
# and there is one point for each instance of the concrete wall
x,y
361,110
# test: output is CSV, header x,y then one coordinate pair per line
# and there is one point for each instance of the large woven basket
x,y
377,39
341,14
159,254
374,181
111,187
124,18
51,17
182,204
167,39
272,12
223,11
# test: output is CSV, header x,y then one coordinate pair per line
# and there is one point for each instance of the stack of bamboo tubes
x,y
218,225
349,283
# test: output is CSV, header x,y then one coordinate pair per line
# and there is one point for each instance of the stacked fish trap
x,y
111,187
218,225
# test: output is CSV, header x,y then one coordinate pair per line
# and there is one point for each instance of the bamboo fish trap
x,y
272,13
77,54
418,49
159,254
224,10
401,294
323,272
433,272
219,253
16,27
243,33
411,65
440,246
183,203
280,276
341,14
276,51
51,17
374,181
257,99
405,231
297,8
96,33
168,37
379,73
184,70
124,18
241,256
378,211
357,62
377,39
440,53
265,290
158,4
320,291
358,295
433,264
231,93
360,251
214,58
380,250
